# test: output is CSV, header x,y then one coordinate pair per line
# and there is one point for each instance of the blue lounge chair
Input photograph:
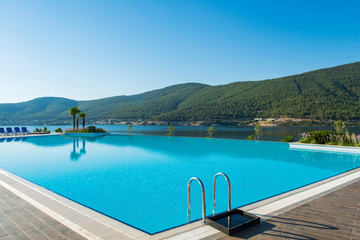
x,y
9,131
17,130
24,130
2,131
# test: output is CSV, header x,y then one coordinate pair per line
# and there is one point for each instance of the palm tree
x,y
77,124
73,111
82,115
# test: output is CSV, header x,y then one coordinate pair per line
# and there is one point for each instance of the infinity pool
x,y
142,180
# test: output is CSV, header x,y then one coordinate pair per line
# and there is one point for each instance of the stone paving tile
x,y
17,233
34,233
3,232
25,214
333,216
4,207
48,231
20,220
7,237
5,221
64,230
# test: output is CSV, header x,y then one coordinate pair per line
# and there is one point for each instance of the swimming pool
x,y
142,180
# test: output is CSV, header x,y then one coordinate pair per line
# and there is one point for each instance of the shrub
x,y
329,137
39,130
170,131
251,138
318,137
90,129
288,139
210,132
58,130
322,137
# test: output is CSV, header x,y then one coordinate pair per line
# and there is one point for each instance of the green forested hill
x,y
142,106
332,93
36,109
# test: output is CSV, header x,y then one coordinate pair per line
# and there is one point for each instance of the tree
x,y
340,127
130,128
77,124
211,131
170,131
73,112
258,131
83,115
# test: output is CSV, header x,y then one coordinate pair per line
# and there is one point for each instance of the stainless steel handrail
x,y
229,187
203,199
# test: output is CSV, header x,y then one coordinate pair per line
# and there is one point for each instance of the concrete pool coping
x,y
29,135
94,225
323,147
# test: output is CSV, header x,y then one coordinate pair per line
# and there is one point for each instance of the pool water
x,y
142,180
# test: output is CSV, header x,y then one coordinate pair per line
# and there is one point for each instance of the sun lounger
x,y
24,130
9,131
2,131
17,130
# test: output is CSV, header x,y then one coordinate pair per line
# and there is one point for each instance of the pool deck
x,y
333,216
21,220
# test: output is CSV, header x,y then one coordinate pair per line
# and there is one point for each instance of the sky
x,y
89,49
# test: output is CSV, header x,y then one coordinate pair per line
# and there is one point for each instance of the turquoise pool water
x,y
142,180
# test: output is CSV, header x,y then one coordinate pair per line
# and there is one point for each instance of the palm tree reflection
x,y
77,152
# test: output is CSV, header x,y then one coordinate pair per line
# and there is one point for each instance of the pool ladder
x,y
203,195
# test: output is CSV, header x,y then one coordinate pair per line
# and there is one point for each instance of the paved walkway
x,y
21,220
333,216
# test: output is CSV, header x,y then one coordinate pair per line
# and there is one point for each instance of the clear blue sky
x,y
92,49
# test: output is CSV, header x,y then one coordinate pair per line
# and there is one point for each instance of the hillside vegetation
x,y
331,93
327,94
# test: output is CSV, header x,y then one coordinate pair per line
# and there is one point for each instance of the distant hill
x,y
331,93
39,109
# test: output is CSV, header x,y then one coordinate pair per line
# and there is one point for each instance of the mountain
x,y
331,93
141,106
38,109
